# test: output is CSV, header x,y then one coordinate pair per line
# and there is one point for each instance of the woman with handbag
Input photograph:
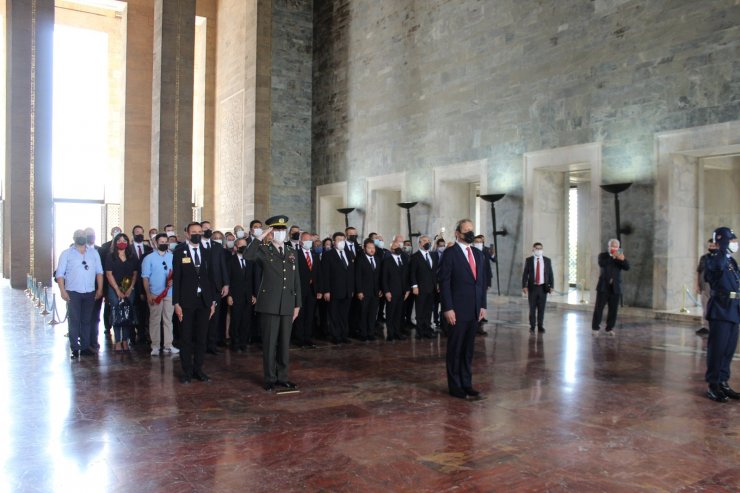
x,y
121,270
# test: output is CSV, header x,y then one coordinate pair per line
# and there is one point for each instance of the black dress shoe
x,y
482,332
213,351
727,390
459,393
185,379
471,392
199,375
402,337
287,384
702,331
541,329
269,387
87,352
75,355
715,393
531,330
372,338
346,341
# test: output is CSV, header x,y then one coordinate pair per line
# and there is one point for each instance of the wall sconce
x,y
346,211
493,198
616,189
408,206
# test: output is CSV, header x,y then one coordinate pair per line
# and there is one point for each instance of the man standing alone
x,y
537,282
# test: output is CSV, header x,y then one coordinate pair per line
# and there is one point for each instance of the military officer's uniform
x,y
723,313
278,295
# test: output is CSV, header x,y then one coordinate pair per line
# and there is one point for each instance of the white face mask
x,y
307,245
170,234
279,235
340,245
257,232
733,246
537,253
240,234
479,246
440,249
230,244
220,242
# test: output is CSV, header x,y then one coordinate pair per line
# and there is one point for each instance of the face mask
x,y
319,250
91,239
242,249
468,237
138,238
398,251
426,246
613,250
152,238
220,242
352,238
307,245
340,245
733,247
170,234
80,240
240,234
116,232
207,233
380,243
172,246
537,253
479,246
230,244
163,247
295,236
407,249
257,232
441,249
195,239
121,245
279,235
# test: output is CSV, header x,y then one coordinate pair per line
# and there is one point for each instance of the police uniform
x,y
278,295
723,313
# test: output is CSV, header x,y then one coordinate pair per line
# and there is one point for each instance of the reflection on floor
x,y
564,411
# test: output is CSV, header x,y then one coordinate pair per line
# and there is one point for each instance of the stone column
x,y
28,210
172,112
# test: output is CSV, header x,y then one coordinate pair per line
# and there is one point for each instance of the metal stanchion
x,y
39,291
583,290
45,306
683,300
28,285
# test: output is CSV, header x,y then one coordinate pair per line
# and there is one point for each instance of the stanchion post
x,y
45,305
28,285
683,300
583,291
53,310
39,301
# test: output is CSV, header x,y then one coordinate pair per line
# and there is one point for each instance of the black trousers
x,y
193,333
241,323
537,297
604,298
394,316
720,350
339,317
221,325
368,316
424,314
303,325
435,307
460,344
275,346
213,327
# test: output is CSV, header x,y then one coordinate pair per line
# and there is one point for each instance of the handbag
x,y
123,314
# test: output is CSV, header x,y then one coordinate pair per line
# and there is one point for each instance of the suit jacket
x,y
422,274
528,277
348,252
458,289
310,279
280,285
242,286
394,279
337,278
722,280
367,279
146,249
186,279
611,273
218,270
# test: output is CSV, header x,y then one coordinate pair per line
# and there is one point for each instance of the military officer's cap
x,y
277,222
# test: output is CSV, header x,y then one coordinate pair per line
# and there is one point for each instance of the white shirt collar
x,y
463,246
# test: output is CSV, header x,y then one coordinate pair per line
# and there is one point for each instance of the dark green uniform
x,y
279,293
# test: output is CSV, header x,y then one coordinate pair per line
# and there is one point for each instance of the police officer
x,y
723,313
278,299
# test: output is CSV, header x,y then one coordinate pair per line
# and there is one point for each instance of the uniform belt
x,y
733,295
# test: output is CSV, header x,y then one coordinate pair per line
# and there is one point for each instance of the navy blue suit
x,y
723,313
466,295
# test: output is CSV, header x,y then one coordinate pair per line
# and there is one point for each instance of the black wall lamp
x,y
616,189
346,211
493,198
408,206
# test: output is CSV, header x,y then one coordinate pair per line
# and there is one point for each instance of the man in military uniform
x,y
278,299
723,313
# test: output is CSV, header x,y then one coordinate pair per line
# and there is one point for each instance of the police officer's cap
x,y
723,235
277,222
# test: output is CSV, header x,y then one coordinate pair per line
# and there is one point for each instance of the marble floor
x,y
564,411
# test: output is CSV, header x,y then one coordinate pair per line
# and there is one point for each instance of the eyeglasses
x,y
164,265
87,267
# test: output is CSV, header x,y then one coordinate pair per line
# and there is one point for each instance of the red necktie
x,y
537,272
472,264
141,254
308,260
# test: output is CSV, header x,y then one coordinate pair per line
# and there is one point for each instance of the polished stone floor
x,y
562,412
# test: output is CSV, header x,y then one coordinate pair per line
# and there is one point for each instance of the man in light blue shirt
x,y
80,277
156,273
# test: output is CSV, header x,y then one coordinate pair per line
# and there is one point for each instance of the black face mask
x,y
138,238
468,237
295,236
398,251
426,246
207,233
242,249
352,238
91,239
80,240
195,239
163,247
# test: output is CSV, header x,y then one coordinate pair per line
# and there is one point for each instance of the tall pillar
x,y
172,112
28,232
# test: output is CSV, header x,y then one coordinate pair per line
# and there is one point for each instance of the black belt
x,y
733,295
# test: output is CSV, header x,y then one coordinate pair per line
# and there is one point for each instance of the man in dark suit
x,y
337,286
537,283
423,280
141,250
394,282
242,296
367,289
219,278
309,267
193,301
278,299
609,288
352,249
462,286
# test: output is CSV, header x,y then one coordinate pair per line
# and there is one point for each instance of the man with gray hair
x,y
609,288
